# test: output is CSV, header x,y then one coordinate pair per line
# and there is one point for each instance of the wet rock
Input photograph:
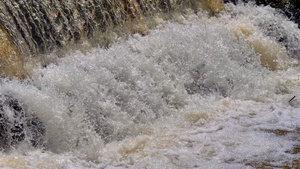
x,y
261,2
17,125
11,62
213,6
291,8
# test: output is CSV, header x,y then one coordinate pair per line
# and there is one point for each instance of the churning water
x,y
199,94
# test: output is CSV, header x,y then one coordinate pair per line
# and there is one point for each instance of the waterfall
x,y
42,27
148,84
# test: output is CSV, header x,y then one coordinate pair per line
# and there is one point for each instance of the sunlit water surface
x,y
189,95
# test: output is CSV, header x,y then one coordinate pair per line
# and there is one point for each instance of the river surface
x,y
194,94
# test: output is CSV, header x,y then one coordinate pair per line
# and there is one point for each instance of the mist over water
x,y
188,95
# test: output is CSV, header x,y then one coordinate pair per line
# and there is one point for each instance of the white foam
x,y
187,95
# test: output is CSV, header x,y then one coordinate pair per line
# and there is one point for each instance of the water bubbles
x,y
186,95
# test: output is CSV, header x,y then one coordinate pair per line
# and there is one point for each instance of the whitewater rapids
x,y
193,94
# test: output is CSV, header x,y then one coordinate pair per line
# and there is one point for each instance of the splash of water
x,y
186,95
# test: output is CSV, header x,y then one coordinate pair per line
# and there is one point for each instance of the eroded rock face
x,y
16,125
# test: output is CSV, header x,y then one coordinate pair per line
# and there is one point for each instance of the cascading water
x,y
209,92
